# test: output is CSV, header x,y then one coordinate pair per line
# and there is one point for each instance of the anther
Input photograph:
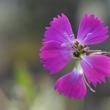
x,y
66,45
89,34
72,35
66,35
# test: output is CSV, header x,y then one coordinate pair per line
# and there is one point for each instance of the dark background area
x,y
24,83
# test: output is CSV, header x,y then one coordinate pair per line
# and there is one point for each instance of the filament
x,y
89,34
86,61
88,84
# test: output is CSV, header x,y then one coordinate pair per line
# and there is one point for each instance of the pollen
x,y
80,50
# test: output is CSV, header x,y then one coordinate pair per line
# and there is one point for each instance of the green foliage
x,y
24,82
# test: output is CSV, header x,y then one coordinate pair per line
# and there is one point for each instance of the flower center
x,y
79,50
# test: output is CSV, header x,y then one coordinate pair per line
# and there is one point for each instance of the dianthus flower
x,y
60,46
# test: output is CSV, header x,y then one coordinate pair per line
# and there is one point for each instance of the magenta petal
x,y
72,85
91,30
54,56
96,68
60,30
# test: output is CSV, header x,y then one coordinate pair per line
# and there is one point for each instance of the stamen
x,y
100,53
104,53
89,34
68,36
72,35
66,45
108,52
79,68
88,84
71,44
75,48
94,50
86,61
86,48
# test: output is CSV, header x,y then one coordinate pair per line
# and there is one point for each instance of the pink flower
x,y
60,46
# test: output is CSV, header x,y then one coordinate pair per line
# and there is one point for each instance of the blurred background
x,y
24,83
